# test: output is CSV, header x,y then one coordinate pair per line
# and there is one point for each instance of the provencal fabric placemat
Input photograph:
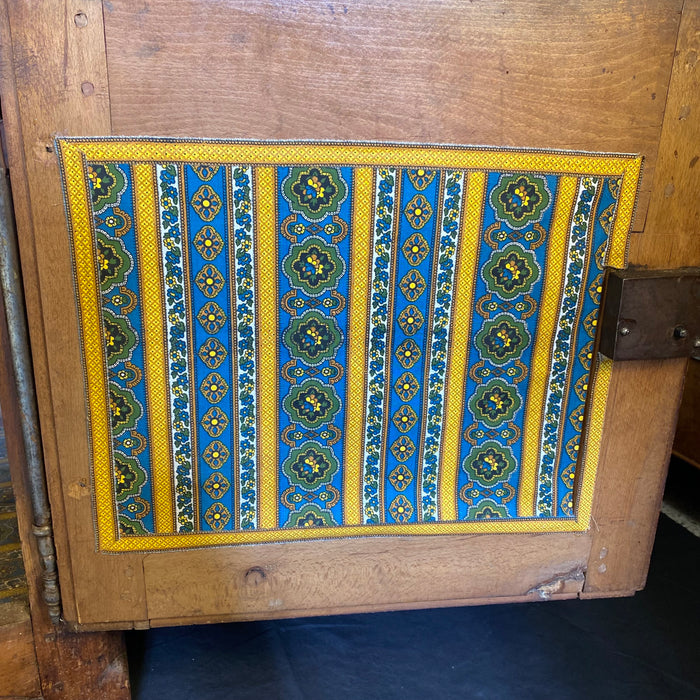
x,y
289,340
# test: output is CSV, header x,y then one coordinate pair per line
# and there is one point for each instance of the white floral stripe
x,y
382,225
243,255
176,324
449,228
564,347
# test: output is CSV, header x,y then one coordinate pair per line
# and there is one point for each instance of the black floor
x,y
637,648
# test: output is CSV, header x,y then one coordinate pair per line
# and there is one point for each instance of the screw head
x,y
625,330
680,332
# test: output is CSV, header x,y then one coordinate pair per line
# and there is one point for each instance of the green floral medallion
x,y
311,403
120,337
487,510
113,262
494,403
502,339
520,200
107,183
310,466
124,409
489,463
314,192
129,527
511,271
311,516
313,337
129,476
314,265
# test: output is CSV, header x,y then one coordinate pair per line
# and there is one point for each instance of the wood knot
x,y
255,576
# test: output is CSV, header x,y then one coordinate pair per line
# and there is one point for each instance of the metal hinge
x,y
651,314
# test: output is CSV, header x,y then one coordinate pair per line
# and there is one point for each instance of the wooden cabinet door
x,y
579,76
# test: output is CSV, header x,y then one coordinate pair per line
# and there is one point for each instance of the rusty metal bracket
x,y
651,314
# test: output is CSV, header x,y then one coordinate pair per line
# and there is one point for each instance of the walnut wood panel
x,y
59,85
631,473
316,578
15,164
672,235
574,75
644,396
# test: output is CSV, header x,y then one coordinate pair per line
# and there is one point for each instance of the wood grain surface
x,y
60,78
325,577
644,396
19,673
575,75
671,237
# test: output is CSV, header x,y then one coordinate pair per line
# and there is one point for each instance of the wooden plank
x,y
15,164
568,592
315,578
631,473
588,76
644,396
671,237
61,87
20,673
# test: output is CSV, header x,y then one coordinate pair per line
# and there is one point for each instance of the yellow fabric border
x,y
468,258
75,153
357,344
593,436
155,363
267,388
77,200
